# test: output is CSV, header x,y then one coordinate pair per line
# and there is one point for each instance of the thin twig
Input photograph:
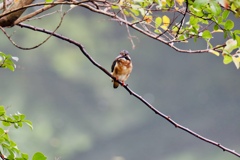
x,y
168,40
127,27
182,20
81,47
36,46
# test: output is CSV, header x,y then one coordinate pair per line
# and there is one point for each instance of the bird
x,y
121,68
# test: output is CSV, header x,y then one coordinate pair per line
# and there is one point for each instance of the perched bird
x,y
121,68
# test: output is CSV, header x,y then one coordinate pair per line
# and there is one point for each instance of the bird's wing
x,y
113,64
115,61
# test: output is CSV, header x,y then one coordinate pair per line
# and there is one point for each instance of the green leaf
x,y
215,8
157,31
206,34
9,119
229,24
115,7
227,59
215,27
158,22
48,1
16,117
39,156
135,12
238,40
6,123
1,132
236,31
199,3
220,19
193,20
29,123
225,14
24,156
22,116
6,61
126,12
2,110
17,125
10,67
181,37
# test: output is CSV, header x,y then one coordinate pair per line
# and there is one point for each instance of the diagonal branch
x,y
81,47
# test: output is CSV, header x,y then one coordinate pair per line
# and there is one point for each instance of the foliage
x,y
200,20
6,61
9,148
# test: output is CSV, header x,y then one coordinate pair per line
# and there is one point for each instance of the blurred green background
x,y
77,114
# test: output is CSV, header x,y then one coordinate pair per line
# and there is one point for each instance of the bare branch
x,y
36,12
128,31
81,47
36,46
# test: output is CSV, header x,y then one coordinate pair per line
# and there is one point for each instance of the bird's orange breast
x,y
122,69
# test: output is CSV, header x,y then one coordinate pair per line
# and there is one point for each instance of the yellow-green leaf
x,y
115,7
229,24
166,21
157,31
214,52
225,14
39,156
206,34
180,2
227,59
158,22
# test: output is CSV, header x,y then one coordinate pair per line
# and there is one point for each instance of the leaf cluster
x,y
7,61
182,21
9,149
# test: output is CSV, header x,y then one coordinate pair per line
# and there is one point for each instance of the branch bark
x,y
8,20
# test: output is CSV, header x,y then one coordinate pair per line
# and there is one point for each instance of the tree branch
x,y
104,7
86,54
38,45
9,19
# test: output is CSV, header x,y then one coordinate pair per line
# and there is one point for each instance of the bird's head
x,y
125,54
